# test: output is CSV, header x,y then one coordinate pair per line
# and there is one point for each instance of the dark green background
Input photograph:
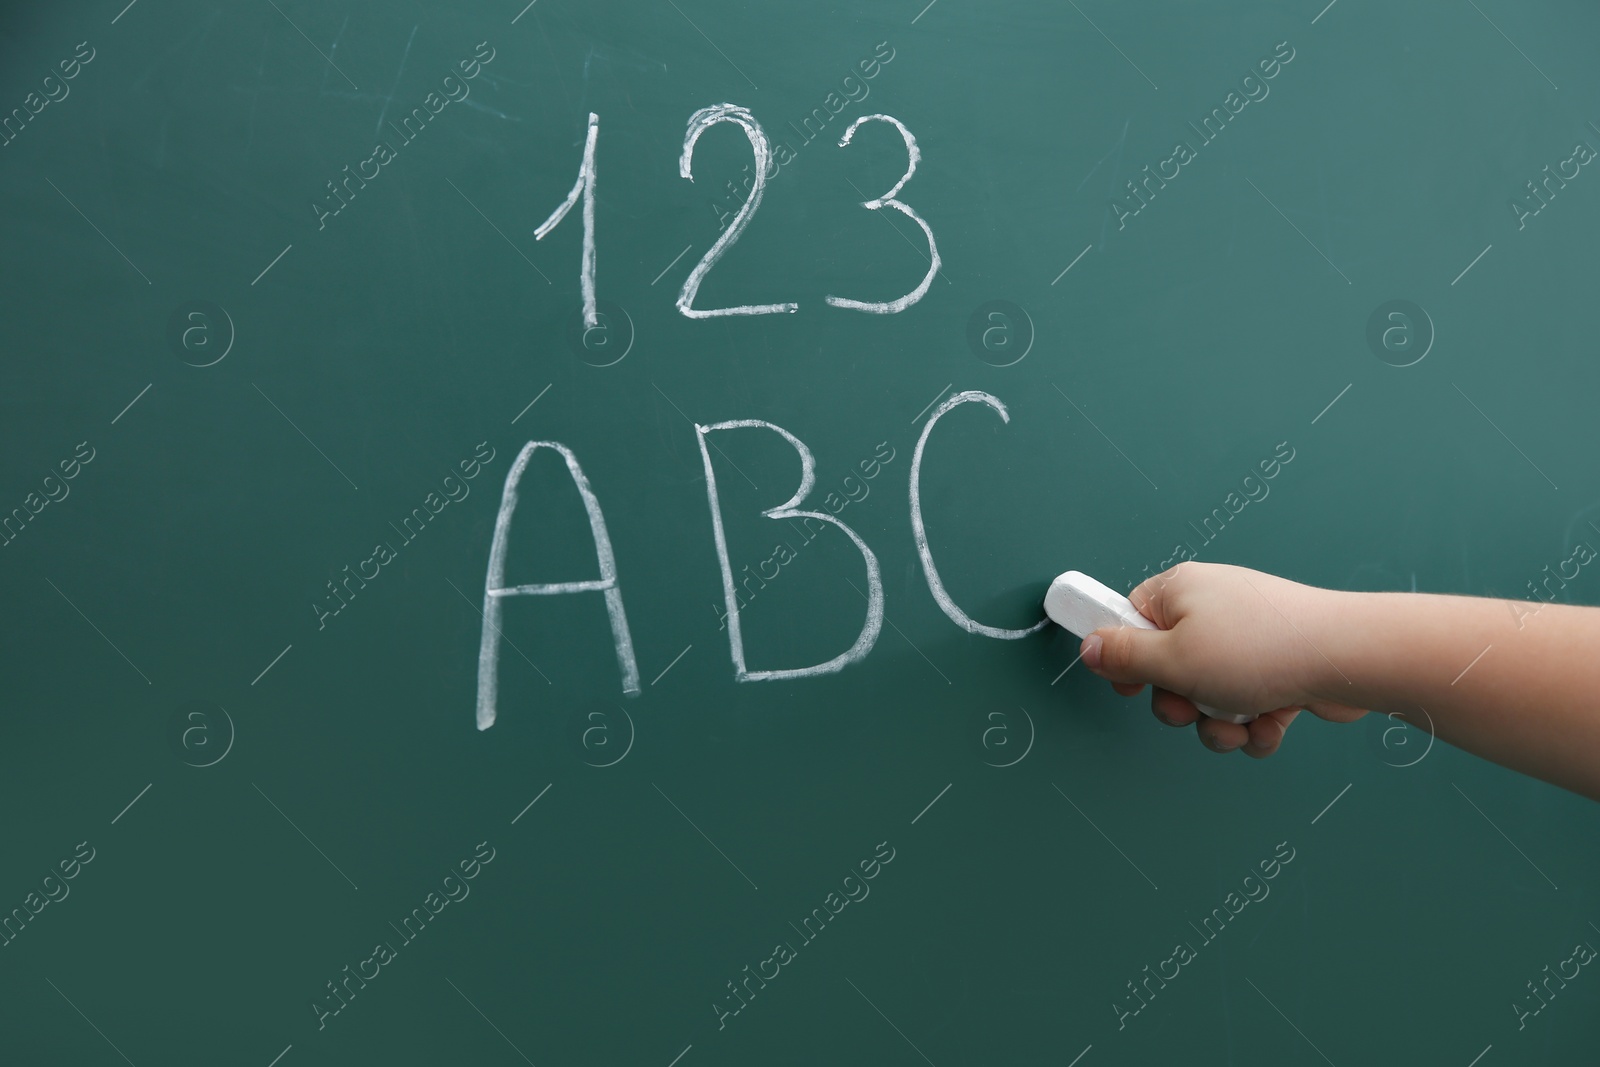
x,y
1196,339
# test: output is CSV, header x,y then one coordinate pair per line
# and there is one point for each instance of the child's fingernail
x,y
1091,651
1216,746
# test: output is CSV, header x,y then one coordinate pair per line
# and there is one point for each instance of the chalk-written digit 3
x,y
891,307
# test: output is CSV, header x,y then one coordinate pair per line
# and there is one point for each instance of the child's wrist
x,y
1325,622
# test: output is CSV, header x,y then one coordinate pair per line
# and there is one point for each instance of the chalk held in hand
x,y
1079,604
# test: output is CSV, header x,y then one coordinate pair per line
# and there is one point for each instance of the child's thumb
x,y
1126,654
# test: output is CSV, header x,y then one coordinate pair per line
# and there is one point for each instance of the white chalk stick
x,y
1079,604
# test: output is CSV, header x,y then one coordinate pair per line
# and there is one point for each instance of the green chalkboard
x,y
419,647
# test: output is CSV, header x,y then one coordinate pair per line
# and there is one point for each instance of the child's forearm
x,y
1517,683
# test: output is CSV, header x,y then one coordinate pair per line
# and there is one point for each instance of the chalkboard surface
x,y
523,526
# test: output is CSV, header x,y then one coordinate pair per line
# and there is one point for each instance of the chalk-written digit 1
x,y
584,186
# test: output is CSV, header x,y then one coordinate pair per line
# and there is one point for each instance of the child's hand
x,y
1511,682
1231,638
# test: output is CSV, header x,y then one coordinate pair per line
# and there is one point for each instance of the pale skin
x,y
1246,642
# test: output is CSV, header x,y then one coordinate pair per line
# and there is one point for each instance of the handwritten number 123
x,y
699,122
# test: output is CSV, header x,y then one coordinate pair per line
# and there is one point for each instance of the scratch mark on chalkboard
x,y
421,274
674,262
1322,199
1573,524
271,665
702,833
1332,802
1116,148
302,833
931,803
686,1049
296,425
532,402
255,99
1064,670
1474,263
1074,263
79,1010
478,106
1332,402
395,85
543,791
1114,44
632,61
132,402
1102,833
1513,44
274,262
185,45
555,61
313,44
1227,1005
131,803
498,80
280,1056
1286,1019
932,402
102,633
713,44
1111,182
890,1021
1299,231
1502,433
741,384
1102,433
333,50
671,665
501,232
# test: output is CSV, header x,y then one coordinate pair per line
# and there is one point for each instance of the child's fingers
x,y
1221,736
1128,689
1259,738
1126,654
1173,709
1266,732
1149,597
1334,712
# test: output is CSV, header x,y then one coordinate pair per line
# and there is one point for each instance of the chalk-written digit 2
x,y
890,307
699,123
584,186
